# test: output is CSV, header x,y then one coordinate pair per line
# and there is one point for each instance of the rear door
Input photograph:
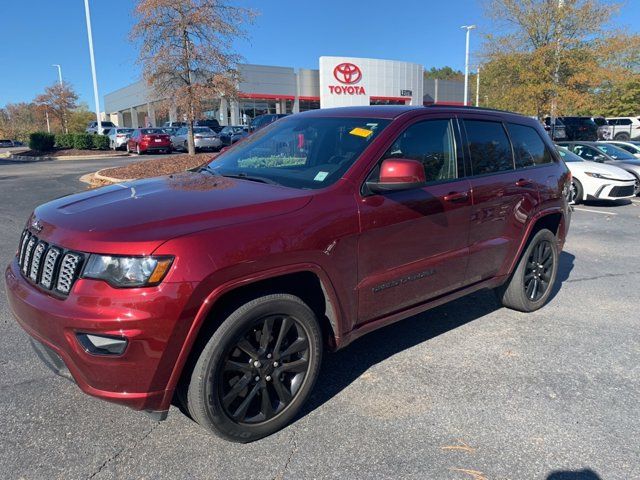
x,y
504,197
413,243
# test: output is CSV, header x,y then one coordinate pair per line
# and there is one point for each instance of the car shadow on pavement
x,y
341,368
586,474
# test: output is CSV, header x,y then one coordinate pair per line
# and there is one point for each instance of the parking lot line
x,y
594,211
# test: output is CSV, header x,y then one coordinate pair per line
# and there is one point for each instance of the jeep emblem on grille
x,y
36,225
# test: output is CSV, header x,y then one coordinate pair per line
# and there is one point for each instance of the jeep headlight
x,y
127,271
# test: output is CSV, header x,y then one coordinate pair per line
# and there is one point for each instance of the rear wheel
x,y
257,369
530,285
622,136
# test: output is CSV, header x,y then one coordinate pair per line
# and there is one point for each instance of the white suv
x,y
623,128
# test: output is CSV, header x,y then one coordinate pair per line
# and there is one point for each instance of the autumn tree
x,y
555,56
59,100
17,120
186,51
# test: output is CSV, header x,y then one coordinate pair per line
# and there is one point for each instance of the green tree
x,y
555,56
443,73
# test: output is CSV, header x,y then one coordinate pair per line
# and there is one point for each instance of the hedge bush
x,y
64,140
100,142
41,141
82,141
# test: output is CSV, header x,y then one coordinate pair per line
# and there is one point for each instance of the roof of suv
x,y
393,111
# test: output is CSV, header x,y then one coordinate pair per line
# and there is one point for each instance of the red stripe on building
x,y
266,96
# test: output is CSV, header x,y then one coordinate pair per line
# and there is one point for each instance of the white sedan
x,y
203,137
597,181
118,137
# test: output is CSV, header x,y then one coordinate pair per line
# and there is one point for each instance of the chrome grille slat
x,y
27,254
48,269
67,274
48,266
35,261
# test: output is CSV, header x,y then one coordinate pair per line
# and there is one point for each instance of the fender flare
x,y
334,311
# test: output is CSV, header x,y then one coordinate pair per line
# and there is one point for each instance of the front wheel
x,y
576,191
257,370
530,285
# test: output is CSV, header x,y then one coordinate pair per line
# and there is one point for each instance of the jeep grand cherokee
x,y
220,287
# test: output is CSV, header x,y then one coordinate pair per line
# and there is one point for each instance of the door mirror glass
x,y
398,174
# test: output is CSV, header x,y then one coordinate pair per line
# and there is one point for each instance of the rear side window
x,y
432,143
528,148
489,147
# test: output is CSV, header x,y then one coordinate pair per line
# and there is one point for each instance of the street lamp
x,y
466,65
93,65
59,72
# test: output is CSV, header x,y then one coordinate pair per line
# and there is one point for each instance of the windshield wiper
x,y
244,176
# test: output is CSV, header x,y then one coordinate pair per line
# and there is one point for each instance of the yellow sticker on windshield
x,y
361,132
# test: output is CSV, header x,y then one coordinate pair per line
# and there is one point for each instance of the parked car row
x,y
601,170
592,128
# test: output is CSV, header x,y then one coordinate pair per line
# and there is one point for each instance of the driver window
x,y
432,143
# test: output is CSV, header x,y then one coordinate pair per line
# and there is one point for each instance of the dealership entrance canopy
x,y
340,81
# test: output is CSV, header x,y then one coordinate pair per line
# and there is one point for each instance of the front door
x,y
413,243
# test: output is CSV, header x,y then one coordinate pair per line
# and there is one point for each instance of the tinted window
x,y
488,146
568,156
528,147
588,153
433,144
151,131
615,152
628,148
624,121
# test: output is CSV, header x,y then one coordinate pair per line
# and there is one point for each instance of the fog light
x,y
102,344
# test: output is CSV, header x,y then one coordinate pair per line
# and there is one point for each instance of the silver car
x,y
204,138
92,127
118,137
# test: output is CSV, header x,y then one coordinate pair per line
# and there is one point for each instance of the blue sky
x,y
286,32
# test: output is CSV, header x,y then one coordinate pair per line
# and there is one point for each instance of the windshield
x,y
202,130
615,152
300,152
568,156
151,131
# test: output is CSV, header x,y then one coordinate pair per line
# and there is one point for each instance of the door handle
x,y
524,182
456,196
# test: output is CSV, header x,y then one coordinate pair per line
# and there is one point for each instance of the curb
x,y
19,158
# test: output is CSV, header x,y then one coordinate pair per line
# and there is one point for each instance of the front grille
x,y
49,267
622,191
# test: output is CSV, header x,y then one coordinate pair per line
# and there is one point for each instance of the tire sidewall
x,y
579,198
211,414
543,234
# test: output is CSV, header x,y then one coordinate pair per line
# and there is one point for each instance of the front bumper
x,y
153,320
614,190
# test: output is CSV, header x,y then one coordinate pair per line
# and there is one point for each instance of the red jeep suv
x,y
220,287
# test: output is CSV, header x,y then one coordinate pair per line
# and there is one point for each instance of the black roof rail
x,y
469,107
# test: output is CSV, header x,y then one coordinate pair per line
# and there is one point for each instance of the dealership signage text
x,y
347,90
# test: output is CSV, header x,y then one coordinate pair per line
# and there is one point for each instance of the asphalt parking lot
x,y
468,390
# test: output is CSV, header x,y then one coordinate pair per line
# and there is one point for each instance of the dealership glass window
x,y
528,147
309,105
387,102
253,107
433,144
489,147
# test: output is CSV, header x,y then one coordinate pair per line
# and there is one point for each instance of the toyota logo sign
x,y
347,73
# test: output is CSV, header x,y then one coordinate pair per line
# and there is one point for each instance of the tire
x,y
222,366
185,146
622,136
517,290
577,192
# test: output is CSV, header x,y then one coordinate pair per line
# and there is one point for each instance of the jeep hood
x,y
136,217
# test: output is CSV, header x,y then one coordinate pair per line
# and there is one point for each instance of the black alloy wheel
x,y
537,274
263,370
256,370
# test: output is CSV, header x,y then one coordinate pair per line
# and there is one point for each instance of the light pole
x,y
466,64
478,87
93,65
59,72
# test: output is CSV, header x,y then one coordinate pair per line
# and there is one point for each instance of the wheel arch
x,y
551,219
308,281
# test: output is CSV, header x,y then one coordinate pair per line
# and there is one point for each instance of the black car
x,y
6,143
231,134
264,120
212,123
578,128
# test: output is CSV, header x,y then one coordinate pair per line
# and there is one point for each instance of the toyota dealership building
x,y
339,82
